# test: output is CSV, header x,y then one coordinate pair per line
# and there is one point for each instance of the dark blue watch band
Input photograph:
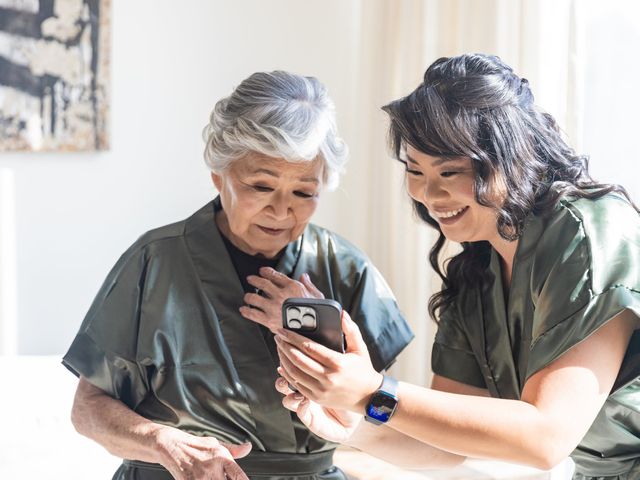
x,y
383,402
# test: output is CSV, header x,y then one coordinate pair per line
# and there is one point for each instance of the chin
x,y
457,237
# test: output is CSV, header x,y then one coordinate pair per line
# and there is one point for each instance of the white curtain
x,y
400,38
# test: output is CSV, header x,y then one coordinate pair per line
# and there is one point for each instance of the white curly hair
x,y
278,114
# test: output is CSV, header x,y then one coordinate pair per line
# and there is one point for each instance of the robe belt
x,y
268,463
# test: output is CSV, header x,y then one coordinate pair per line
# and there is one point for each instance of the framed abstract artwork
x,y
54,75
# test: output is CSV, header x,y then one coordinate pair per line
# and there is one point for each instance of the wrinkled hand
x,y
276,287
340,381
189,457
330,424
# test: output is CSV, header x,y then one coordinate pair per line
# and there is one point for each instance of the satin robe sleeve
x,y
104,351
452,356
374,308
585,272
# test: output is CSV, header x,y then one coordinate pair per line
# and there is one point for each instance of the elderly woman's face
x,y
267,202
445,186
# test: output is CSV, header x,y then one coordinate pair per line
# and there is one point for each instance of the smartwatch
x,y
383,402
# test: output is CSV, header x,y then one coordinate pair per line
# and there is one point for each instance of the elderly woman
x,y
173,379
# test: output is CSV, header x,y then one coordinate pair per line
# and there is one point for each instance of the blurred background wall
x,y
66,217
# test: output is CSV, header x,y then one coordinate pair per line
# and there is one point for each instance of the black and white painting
x,y
54,71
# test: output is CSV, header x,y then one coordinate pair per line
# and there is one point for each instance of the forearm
x,y
113,425
397,448
479,427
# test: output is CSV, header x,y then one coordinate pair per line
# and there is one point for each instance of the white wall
x,y
76,213
65,218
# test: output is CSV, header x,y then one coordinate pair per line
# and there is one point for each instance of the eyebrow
x,y
437,161
276,175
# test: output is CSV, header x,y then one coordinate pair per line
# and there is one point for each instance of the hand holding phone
x,y
318,319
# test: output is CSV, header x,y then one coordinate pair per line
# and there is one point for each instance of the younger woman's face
x,y
445,186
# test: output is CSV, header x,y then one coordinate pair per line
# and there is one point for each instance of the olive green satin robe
x,y
165,337
573,271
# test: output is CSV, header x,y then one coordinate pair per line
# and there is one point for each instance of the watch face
x,y
381,406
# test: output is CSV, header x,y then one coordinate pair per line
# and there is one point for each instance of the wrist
x,y
162,443
372,387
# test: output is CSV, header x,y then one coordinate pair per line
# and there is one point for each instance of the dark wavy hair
x,y
475,106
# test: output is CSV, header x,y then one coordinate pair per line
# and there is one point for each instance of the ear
x,y
217,180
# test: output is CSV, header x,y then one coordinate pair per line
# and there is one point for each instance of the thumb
x,y
353,337
306,281
238,451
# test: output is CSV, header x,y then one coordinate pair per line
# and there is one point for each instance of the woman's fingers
x,y
353,336
238,451
264,285
257,316
303,362
292,402
302,381
232,471
279,279
319,353
282,386
260,302
306,281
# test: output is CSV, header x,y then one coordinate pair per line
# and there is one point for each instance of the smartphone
x,y
318,319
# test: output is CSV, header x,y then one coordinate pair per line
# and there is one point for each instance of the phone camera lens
x,y
309,320
294,323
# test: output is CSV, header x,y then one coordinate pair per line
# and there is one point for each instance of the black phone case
x,y
328,331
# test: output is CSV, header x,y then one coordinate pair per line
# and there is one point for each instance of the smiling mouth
x,y
449,216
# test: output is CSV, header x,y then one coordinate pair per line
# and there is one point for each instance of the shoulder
x,y
160,234
586,262
611,215
595,239
333,244
166,238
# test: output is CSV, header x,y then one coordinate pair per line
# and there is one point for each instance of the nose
x,y
432,189
427,191
279,206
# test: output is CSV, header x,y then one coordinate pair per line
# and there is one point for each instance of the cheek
x,y
305,211
241,208
414,189
467,189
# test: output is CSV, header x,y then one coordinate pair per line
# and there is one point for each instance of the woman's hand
x,y
189,457
330,424
275,287
341,381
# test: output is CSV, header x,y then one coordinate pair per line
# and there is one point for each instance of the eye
x,y
415,173
448,174
262,188
300,194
